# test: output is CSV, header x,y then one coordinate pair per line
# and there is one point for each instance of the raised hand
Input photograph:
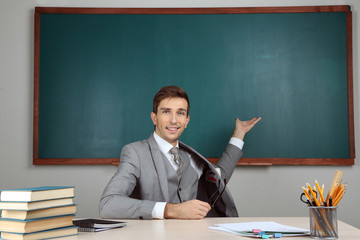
x,y
243,127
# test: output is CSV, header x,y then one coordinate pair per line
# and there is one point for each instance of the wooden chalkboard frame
x,y
252,10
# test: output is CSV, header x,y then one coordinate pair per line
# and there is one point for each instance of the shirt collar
x,y
164,146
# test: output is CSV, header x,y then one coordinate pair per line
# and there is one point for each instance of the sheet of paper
x,y
264,226
244,234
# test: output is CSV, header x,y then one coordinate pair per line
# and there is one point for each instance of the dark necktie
x,y
177,160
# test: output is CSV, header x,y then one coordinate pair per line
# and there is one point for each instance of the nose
x,y
173,118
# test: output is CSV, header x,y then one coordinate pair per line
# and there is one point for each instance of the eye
x,y
166,111
181,113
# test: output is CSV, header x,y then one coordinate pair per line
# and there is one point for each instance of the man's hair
x,y
170,92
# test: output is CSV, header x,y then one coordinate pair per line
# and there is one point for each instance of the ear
x,y
153,118
187,121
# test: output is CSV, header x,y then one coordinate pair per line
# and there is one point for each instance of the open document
x,y
256,229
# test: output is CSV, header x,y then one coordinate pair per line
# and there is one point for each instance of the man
x,y
157,180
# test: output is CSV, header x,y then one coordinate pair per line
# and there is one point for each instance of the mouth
x,y
172,129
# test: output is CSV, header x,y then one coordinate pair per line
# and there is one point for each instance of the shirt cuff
x,y
237,142
158,210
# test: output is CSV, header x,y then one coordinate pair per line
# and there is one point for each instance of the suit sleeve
x,y
115,201
228,161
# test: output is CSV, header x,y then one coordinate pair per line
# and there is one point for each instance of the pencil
x,y
335,181
319,190
307,194
313,195
339,196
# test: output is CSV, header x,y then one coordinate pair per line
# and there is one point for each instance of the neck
x,y
175,144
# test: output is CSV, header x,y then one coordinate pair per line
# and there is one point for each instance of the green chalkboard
x,y
97,72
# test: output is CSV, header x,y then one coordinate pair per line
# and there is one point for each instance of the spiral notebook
x,y
97,225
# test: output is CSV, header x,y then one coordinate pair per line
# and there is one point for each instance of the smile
x,y
172,129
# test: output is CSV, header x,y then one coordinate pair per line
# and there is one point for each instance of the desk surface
x,y
198,229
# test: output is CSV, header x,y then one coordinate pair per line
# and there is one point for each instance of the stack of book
x,y
37,213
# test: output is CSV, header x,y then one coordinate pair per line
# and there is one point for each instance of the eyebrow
x,y
179,109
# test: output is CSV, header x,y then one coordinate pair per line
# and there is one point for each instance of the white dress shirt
x,y
164,146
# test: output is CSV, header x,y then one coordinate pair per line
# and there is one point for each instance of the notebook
x,y
97,225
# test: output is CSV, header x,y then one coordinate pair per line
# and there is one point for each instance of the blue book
x,y
36,193
35,225
51,233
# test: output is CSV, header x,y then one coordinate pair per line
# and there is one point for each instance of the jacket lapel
x,y
157,159
230,208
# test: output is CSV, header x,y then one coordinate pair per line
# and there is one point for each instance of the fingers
x,y
251,121
204,207
193,209
199,208
255,121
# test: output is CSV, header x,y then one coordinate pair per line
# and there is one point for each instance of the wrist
x,y
169,210
239,134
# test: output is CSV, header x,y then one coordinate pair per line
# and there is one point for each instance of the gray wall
x,y
258,191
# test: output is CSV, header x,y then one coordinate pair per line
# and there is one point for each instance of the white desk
x,y
198,229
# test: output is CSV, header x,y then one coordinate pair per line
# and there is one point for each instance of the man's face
x,y
171,119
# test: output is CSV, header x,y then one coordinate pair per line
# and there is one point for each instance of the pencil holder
x,y
323,222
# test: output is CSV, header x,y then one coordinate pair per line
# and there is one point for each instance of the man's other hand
x,y
193,209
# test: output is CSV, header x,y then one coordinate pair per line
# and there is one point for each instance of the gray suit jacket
x,y
140,181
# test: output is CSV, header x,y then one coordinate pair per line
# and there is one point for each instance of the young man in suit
x,y
162,177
